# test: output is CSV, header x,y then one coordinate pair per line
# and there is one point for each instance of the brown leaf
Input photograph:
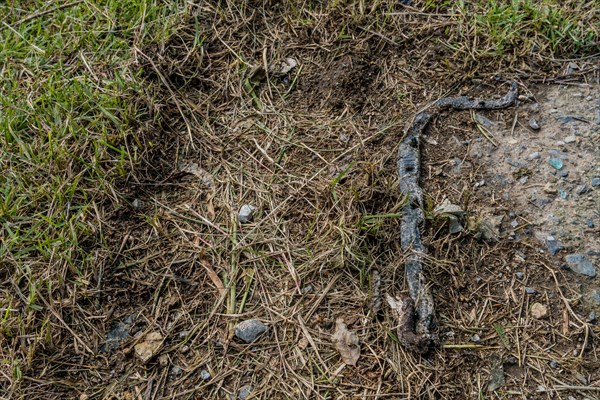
x,y
214,277
346,343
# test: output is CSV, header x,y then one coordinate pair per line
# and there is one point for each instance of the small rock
x,y
147,348
205,375
534,156
137,203
246,214
529,290
244,392
520,275
592,317
176,370
249,330
578,263
570,139
553,245
590,223
539,311
550,189
563,174
556,163
553,364
582,189
596,181
475,338
534,124
563,194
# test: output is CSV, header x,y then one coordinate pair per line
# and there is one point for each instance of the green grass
x,y
68,126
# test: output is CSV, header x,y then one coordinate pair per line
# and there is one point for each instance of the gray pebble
x,y
176,370
582,189
245,392
563,174
520,275
249,330
529,290
534,124
475,338
596,181
592,317
246,213
578,263
570,139
553,245
590,223
205,375
534,156
553,364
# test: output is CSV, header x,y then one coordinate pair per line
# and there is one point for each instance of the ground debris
x,y
403,309
147,348
346,343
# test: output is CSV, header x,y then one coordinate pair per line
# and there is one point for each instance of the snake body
x,y
420,336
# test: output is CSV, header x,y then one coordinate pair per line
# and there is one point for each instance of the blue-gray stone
x,y
553,245
249,330
534,124
563,194
582,189
578,263
529,290
590,223
553,364
556,163
205,375
520,275
596,181
244,392
563,174
246,213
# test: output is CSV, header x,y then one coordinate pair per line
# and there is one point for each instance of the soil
x,y
318,160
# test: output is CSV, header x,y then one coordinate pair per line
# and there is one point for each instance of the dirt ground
x,y
314,150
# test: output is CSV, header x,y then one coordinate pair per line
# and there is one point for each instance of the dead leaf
x,y
214,277
346,343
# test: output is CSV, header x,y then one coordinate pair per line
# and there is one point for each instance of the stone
x,y
249,330
534,124
117,333
176,370
534,156
570,139
556,163
582,189
580,264
475,338
147,348
244,392
590,223
529,290
596,181
246,214
539,311
553,245
520,275
550,189
553,364
205,375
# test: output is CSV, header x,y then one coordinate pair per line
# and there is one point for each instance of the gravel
x,y
249,330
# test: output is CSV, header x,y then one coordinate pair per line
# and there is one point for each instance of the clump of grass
x,y
526,27
69,123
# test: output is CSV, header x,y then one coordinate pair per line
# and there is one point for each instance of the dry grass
x,y
315,151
